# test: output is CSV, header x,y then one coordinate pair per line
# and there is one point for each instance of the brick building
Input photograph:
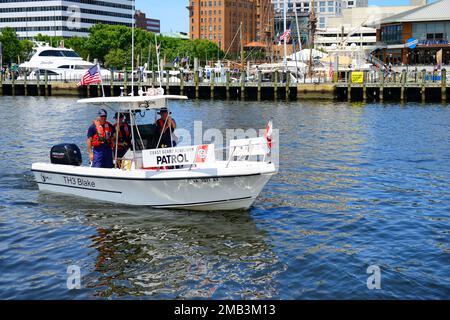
x,y
142,22
219,21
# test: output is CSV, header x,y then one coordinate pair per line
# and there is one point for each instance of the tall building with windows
x,y
144,23
220,21
323,9
64,18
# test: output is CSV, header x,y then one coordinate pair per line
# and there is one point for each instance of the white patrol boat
x,y
186,177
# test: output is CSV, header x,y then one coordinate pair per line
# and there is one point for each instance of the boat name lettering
x,y
180,158
203,180
79,182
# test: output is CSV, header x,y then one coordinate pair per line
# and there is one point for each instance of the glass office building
x,y
62,18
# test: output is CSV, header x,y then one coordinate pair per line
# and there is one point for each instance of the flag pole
x,y
158,61
101,79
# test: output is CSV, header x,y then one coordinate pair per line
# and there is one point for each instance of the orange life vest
x,y
103,135
123,136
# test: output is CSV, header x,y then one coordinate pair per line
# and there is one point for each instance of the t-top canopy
x,y
134,102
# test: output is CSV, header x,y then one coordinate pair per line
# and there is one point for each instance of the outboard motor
x,y
66,153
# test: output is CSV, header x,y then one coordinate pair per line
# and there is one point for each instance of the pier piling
x,y
259,85
212,84
196,80
25,86
288,82
402,88
444,85
364,86
125,78
275,85
227,81
46,83
182,82
13,86
111,84
167,81
242,85
422,91
349,89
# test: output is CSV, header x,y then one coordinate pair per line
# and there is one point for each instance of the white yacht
x,y
62,64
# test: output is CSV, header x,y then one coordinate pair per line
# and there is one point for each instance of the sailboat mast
x,y
132,48
242,47
312,24
299,39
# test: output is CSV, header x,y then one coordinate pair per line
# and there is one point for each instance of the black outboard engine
x,y
66,153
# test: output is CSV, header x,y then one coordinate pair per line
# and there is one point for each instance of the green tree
x,y
26,48
11,45
116,59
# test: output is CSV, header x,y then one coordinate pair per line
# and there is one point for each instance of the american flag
x,y
286,34
91,76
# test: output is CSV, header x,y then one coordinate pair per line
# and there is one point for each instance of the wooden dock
x,y
374,87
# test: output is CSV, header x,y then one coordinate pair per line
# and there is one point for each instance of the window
x,y
59,53
392,34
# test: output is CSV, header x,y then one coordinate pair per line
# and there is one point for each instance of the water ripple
x,y
358,185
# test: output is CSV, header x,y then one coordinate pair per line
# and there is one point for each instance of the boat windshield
x,y
59,53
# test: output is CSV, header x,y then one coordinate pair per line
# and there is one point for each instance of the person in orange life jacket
x,y
124,139
166,125
100,141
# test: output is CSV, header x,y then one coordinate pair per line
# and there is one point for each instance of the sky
x,y
175,17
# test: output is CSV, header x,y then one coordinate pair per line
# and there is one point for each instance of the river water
x,y
359,185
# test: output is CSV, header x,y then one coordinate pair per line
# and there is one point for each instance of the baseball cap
x,y
102,113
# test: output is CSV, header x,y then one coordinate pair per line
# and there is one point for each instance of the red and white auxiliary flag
x,y
268,134
91,76
201,153
286,34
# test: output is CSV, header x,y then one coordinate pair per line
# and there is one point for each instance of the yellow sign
x,y
357,77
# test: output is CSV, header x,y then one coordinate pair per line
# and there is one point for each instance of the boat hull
x,y
204,191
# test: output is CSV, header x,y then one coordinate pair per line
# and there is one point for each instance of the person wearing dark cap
x,y
100,141
166,125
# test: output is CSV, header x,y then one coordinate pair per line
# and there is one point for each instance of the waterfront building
x,y
142,22
351,27
323,9
220,21
64,18
303,24
416,37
